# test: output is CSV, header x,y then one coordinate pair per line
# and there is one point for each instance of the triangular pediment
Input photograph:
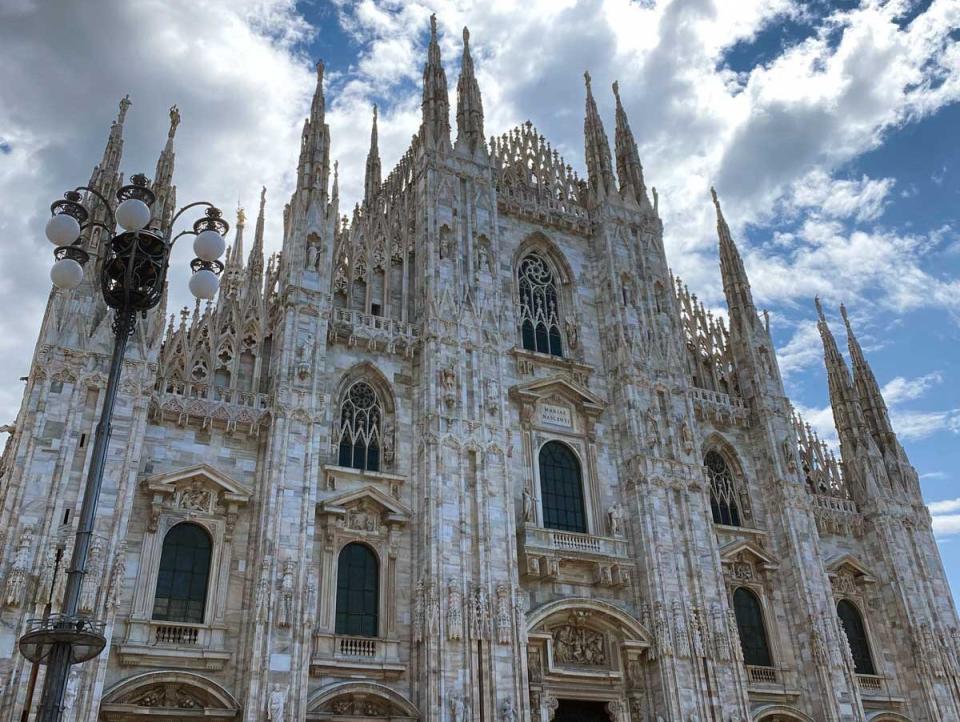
x,y
370,496
848,562
203,474
746,550
562,387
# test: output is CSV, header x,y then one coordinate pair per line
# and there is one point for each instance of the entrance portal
x,y
577,710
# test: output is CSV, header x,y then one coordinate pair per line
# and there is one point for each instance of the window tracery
x,y
539,306
360,434
723,494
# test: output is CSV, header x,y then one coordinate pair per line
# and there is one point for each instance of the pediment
x,y
848,563
745,550
366,501
559,387
199,477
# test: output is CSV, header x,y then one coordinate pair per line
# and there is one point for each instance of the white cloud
x,y
901,389
946,517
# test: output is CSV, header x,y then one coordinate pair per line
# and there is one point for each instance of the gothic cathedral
x,y
471,454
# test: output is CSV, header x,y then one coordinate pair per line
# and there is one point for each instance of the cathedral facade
x,y
469,455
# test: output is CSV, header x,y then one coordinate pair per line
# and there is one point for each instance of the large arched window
x,y
723,496
358,591
750,627
361,416
857,637
184,572
561,487
539,306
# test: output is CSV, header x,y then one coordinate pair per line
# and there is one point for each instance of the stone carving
x,y
573,644
507,712
92,580
285,617
195,497
534,665
527,505
484,259
662,631
310,606
551,703
72,689
615,517
734,634
118,571
277,704
615,711
503,613
844,582
17,577
652,429
448,387
262,603
388,439
492,396
570,329
686,437
454,611
697,633
363,518
721,643
681,636
419,612
479,613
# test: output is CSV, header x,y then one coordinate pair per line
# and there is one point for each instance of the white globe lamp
x,y
133,214
66,274
209,245
62,229
204,284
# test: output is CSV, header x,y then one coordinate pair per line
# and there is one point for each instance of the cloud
x,y
901,389
946,517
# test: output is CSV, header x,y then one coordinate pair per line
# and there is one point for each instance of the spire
x,y
110,163
629,169
435,128
469,102
371,182
255,261
163,207
867,388
234,262
842,399
596,148
335,192
736,285
313,168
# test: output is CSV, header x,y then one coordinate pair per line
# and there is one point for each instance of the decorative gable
x,y
745,560
556,401
846,573
197,490
365,510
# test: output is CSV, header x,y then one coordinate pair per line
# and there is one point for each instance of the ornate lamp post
x,y
133,274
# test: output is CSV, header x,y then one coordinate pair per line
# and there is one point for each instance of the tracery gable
x,y
365,509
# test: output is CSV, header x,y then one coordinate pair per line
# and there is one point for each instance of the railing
x,y
834,503
870,682
762,675
577,542
376,323
718,398
168,634
213,393
357,647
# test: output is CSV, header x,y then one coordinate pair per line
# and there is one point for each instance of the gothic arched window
x,y
358,591
539,306
561,487
723,496
184,572
750,628
361,415
857,637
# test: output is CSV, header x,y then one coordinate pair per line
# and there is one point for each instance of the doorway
x,y
578,710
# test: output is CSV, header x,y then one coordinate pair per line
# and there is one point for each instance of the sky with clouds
x,y
829,127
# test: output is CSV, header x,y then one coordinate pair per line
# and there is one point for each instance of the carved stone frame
x,y
203,496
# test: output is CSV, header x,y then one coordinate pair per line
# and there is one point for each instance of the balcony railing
x,y
171,634
718,398
555,540
376,656
378,332
870,683
762,675
357,646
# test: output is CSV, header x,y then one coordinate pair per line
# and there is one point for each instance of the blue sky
x,y
829,128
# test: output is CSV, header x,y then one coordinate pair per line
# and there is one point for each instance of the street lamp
x,y
133,274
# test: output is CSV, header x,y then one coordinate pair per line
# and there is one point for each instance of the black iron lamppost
x,y
133,274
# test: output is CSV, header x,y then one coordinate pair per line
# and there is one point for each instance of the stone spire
x,y
435,128
469,102
371,181
736,285
233,264
110,163
597,148
255,261
868,390
313,168
164,206
629,169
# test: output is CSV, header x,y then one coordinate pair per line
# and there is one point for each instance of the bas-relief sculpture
x,y
462,291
